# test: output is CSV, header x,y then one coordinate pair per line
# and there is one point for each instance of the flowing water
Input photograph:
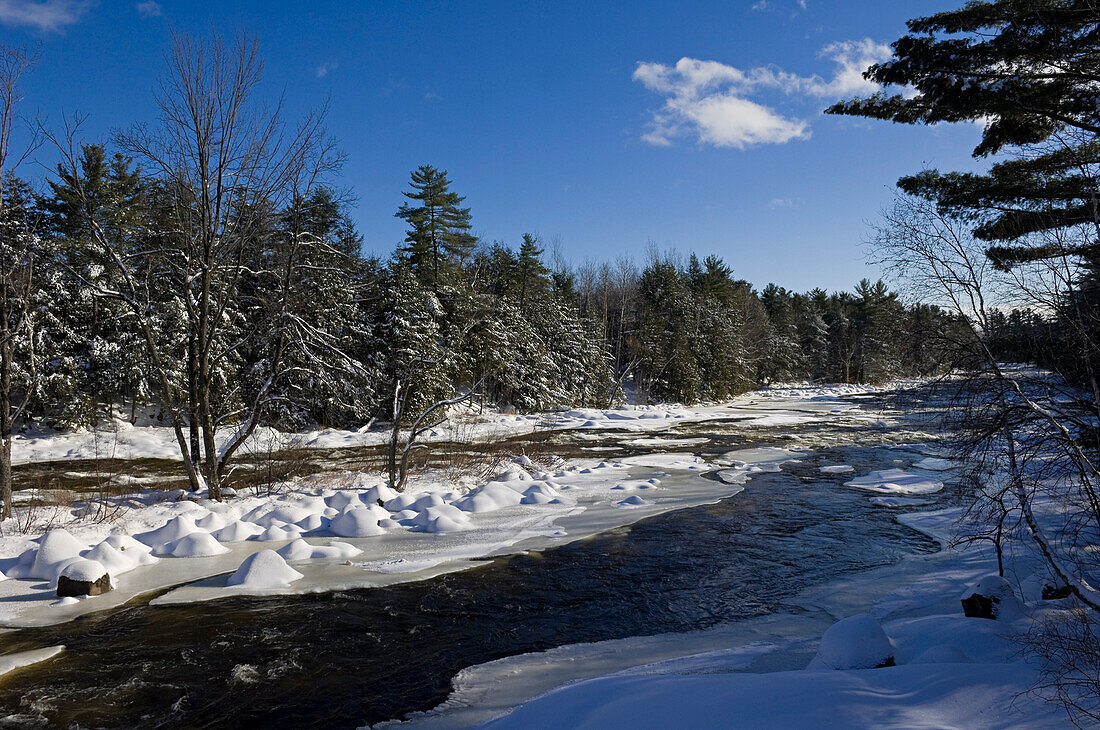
x,y
346,658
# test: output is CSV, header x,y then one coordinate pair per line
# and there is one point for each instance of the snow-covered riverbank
x,y
121,440
774,672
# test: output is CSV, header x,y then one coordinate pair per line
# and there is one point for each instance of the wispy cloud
x,y
150,9
713,103
322,70
48,15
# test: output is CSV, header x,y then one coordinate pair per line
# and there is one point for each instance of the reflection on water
x,y
347,658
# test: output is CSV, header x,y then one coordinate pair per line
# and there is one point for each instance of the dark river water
x,y
348,658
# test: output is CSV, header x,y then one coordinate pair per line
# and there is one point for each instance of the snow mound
x,y
83,570
896,481
400,503
210,521
237,532
177,527
312,522
265,569
128,545
440,518
633,501
382,493
195,545
114,560
283,516
838,469
356,522
56,548
302,550
857,642
489,498
540,493
342,500
279,531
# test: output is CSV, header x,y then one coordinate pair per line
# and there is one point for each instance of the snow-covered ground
x,y
119,439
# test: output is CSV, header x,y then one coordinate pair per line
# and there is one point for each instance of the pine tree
x,y
531,273
439,229
1028,69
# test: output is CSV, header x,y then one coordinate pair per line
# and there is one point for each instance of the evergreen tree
x,y
1028,69
531,273
439,228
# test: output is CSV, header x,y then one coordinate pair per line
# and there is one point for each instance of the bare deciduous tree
x,y
17,272
224,162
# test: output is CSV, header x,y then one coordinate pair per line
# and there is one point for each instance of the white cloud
x,y
852,58
49,15
761,5
150,9
711,100
322,70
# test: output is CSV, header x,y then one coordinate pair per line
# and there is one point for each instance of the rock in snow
x,y
265,569
991,598
857,642
83,578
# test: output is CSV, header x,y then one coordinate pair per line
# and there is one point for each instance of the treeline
x,y
444,313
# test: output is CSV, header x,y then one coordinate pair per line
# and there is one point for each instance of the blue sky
x,y
575,120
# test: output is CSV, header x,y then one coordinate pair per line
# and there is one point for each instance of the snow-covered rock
x,y
312,523
991,597
264,569
82,577
381,492
343,499
857,642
